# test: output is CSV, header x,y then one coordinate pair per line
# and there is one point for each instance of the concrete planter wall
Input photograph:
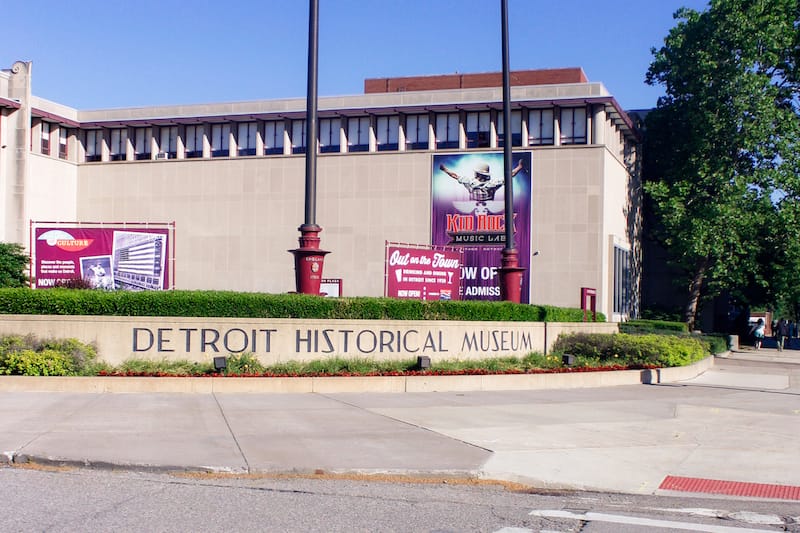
x,y
330,385
276,340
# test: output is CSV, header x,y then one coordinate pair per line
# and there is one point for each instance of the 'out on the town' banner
x,y
422,272
468,211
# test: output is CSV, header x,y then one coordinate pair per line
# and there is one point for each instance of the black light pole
x,y
510,271
308,258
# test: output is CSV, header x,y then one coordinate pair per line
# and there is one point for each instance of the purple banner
x,y
422,273
468,211
107,258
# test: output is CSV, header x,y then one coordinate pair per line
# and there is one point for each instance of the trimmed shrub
x,y
653,326
647,350
259,305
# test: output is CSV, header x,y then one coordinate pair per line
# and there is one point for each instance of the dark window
x,y
194,141
387,133
220,140
358,134
299,136
329,131
273,137
516,129
142,137
94,145
540,127
63,146
622,281
246,138
478,129
46,138
447,125
573,125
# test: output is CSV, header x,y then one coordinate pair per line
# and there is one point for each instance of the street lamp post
x,y
309,258
510,271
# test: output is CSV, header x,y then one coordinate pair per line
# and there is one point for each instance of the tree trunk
x,y
695,289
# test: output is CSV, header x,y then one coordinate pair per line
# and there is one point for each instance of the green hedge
x,y
259,305
653,326
639,349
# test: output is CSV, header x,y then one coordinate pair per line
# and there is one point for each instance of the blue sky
x,y
94,54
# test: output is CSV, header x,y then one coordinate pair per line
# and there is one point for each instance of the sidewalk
x,y
736,421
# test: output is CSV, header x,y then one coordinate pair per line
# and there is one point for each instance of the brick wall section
x,y
472,81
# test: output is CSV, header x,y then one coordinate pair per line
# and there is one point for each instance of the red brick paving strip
x,y
730,488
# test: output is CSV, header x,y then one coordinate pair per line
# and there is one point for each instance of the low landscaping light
x,y
423,362
568,359
220,363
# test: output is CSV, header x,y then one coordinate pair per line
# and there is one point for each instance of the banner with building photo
x,y
468,211
107,256
422,272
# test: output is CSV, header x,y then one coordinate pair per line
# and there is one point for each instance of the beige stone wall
x,y
52,188
278,340
237,218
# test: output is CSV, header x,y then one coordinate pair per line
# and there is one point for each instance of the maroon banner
x,y
422,273
109,258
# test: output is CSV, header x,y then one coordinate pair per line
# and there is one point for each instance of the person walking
x,y
782,333
758,333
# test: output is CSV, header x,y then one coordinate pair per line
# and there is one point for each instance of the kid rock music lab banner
x,y
468,211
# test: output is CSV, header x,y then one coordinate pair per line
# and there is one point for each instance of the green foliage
x,y
716,343
243,364
653,326
641,350
31,363
31,356
14,263
164,367
721,163
259,305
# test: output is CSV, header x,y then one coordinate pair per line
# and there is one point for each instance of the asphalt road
x,y
86,500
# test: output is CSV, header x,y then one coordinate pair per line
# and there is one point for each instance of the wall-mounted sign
x,y
107,256
422,272
468,211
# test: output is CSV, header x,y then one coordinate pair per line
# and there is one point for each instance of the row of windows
x,y
479,129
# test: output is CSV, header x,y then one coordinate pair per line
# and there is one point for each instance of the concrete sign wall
x,y
275,340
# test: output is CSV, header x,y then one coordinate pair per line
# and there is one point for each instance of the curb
x,y
331,385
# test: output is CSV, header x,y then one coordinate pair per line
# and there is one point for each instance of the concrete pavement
x,y
737,421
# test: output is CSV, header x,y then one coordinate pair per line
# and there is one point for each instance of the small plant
x,y
243,364
47,362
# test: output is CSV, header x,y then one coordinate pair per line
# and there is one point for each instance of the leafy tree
x,y
720,152
13,265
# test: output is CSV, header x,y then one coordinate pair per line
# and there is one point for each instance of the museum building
x,y
231,177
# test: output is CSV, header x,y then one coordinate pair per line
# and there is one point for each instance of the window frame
x,y
274,137
570,129
250,136
446,131
538,130
193,134
387,133
63,143
93,145
415,141
476,137
330,129
142,147
221,144
358,134
46,129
